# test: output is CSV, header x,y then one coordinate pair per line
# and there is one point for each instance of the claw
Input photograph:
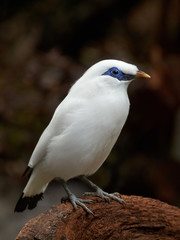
x,y
106,196
116,194
100,193
76,201
113,196
97,194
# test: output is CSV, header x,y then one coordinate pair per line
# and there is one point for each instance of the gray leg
x,y
76,201
100,193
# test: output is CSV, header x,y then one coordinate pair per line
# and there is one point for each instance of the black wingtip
x,y
27,172
34,200
27,202
21,204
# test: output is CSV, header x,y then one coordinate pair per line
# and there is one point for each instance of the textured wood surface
x,y
141,218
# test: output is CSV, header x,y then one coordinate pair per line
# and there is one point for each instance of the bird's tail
x,y
27,202
32,193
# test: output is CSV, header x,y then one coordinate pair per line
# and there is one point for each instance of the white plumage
x,y
83,129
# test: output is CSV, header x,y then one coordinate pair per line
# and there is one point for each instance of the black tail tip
x,y
27,202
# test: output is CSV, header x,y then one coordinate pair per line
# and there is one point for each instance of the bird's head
x,y
115,70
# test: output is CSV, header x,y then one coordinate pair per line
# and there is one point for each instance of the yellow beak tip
x,y
141,74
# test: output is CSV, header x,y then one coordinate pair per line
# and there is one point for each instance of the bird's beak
x,y
141,74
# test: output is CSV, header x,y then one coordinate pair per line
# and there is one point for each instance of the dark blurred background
x,y
45,46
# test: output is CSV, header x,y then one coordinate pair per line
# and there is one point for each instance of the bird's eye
x,y
115,72
118,74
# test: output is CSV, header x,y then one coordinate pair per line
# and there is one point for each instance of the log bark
x,y
140,218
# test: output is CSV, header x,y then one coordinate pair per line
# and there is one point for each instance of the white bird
x,y
82,132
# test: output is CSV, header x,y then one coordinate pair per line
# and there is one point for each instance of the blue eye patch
x,y
116,73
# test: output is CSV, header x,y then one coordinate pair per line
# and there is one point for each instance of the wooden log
x,y
141,218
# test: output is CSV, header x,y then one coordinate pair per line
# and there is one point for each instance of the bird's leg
x,y
76,201
100,193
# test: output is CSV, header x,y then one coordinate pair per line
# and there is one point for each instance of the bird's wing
x,y
40,149
56,126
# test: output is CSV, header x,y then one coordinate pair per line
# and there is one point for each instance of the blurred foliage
x,y
46,45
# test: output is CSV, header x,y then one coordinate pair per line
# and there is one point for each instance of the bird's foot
x,y
100,193
106,196
78,201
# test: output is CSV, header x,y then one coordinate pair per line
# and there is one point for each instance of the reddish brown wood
x,y
141,218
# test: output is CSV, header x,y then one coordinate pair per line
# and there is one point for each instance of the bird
x,y
81,134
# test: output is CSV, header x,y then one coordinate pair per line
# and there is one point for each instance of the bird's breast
x,y
91,128
99,125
